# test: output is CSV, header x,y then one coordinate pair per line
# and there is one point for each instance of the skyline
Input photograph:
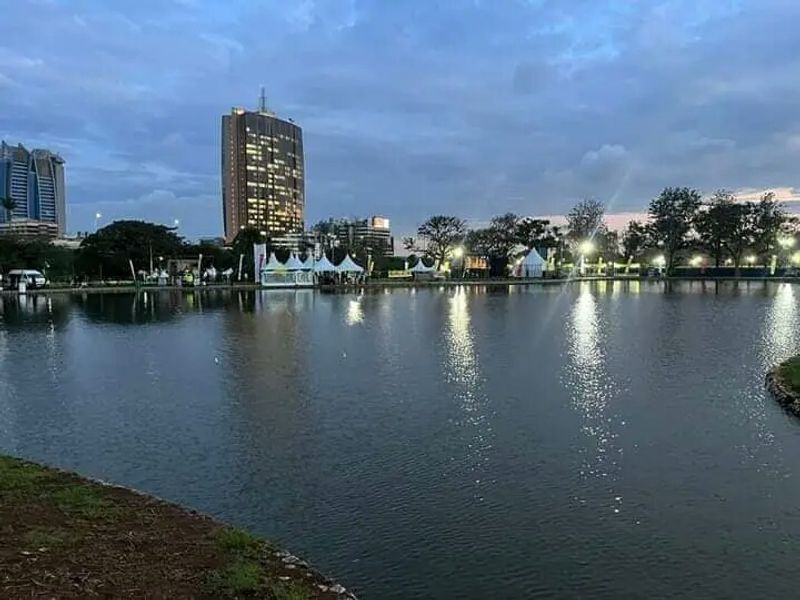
x,y
407,110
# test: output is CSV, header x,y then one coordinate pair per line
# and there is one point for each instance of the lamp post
x,y
458,255
786,243
97,217
660,261
586,248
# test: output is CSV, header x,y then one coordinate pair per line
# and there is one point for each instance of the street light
x,y
458,252
176,222
586,247
786,242
659,260
696,260
750,258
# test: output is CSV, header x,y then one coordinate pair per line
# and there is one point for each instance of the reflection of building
x,y
34,181
262,173
373,235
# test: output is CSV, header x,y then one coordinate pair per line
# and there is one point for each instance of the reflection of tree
x,y
159,306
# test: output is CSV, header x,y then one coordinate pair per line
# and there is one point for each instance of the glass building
x,y
263,183
34,181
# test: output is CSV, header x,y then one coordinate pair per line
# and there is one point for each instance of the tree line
x,y
678,223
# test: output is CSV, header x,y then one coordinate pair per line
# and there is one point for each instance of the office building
x,y
262,173
373,235
33,180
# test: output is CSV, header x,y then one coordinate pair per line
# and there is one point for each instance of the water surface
x,y
604,440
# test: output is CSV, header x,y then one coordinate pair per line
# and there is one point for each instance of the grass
x,y
22,479
289,591
789,372
242,576
83,501
46,537
63,532
233,539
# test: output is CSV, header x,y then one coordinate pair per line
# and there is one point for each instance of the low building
x,y
296,242
29,229
372,235
375,235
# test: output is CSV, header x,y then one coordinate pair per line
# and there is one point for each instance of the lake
x,y
596,439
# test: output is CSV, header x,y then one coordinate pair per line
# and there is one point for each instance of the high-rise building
x,y
34,181
263,180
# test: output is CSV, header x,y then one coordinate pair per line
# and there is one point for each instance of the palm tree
x,y
9,204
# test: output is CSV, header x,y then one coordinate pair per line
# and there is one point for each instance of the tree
x,y
718,222
533,233
585,221
9,204
769,223
108,250
243,245
672,214
741,231
608,245
441,235
635,240
504,228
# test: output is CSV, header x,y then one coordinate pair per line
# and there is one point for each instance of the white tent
x,y
273,264
294,263
421,268
308,263
532,265
323,265
348,265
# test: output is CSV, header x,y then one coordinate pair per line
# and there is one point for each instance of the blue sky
x,y
409,108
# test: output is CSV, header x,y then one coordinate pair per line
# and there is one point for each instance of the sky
x,y
409,107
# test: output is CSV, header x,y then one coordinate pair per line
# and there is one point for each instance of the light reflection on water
x,y
782,322
592,389
462,371
355,312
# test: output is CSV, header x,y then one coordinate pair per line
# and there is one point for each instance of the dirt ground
x,y
62,536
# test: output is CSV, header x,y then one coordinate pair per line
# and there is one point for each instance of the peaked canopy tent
x,y
532,265
294,263
291,274
421,268
308,263
348,265
273,264
323,265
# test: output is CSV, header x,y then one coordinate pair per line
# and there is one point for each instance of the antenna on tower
x,y
262,106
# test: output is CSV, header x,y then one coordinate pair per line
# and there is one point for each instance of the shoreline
x,y
387,283
66,535
779,383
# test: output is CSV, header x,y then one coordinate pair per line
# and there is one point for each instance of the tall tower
x,y
263,178
34,181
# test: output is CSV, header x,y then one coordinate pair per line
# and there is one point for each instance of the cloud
x,y
410,108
